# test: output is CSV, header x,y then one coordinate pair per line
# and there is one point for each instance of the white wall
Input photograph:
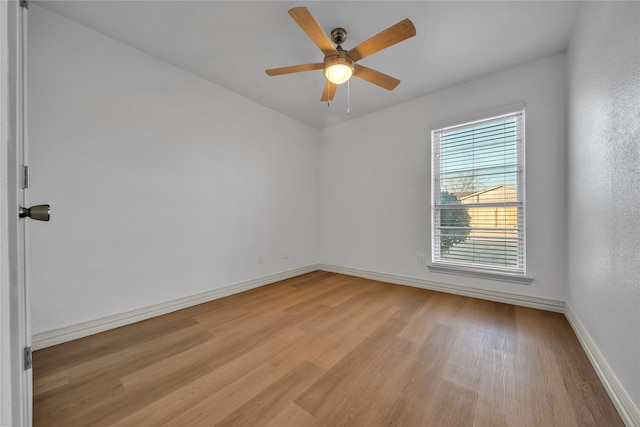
x,y
375,179
162,185
604,182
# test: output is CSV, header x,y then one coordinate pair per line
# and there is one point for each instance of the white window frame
x,y
439,265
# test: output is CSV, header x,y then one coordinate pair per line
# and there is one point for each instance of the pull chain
x,y
348,95
348,98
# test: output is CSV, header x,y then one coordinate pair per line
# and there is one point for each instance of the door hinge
x,y
24,3
25,177
27,358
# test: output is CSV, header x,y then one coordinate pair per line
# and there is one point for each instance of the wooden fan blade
x,y
306,21
392,35
375,77
294,69
329,91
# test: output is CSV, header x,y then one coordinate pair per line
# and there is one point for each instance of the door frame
x,y
15,335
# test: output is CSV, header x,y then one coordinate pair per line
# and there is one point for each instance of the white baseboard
x,y
505,297
58,336
628,411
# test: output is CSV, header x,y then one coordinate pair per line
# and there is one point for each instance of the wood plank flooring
x,y
326,349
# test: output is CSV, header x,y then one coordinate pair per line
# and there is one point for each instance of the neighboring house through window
x,y
478,218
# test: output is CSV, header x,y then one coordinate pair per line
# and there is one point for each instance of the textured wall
x,y
604,182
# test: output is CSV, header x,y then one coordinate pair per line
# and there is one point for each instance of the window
x,y
478,194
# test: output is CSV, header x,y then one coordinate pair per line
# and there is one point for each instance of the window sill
x,y
503,277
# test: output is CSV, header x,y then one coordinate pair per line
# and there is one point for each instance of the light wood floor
x,y
326,349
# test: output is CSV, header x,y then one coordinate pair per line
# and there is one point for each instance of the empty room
x,y
355,213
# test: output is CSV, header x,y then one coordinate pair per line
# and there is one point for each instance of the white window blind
x,y
478,194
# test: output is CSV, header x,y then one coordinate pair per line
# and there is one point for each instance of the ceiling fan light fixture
x,y
338,69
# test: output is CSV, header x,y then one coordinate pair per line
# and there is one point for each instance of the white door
x,y
15,329
23,223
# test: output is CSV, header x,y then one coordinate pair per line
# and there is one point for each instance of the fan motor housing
x,y
338,35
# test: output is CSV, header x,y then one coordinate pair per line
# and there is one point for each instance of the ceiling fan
x,y
339,64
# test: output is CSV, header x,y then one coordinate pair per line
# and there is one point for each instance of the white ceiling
x,y
231,43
